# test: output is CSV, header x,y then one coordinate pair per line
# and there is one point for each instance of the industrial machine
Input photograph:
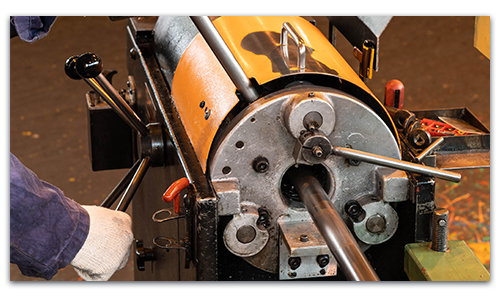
x,y
258,153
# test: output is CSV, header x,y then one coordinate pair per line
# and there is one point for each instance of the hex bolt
x,y
323,260
264,218
354,210
440,230
294,262
375,224
260,164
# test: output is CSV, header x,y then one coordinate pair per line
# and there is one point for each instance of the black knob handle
x,y
69,68
143,254
88,65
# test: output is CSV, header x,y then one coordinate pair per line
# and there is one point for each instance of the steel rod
x,y
127,110
225,57
429,149
394,163
339,239
119,106
121,186
134,184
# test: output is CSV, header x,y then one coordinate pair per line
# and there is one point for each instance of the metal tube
x,y
122,105
225,57
137,125
122,185
339,239
429,149
134,184
394,163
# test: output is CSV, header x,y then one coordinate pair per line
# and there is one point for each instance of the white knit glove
x,y
107,247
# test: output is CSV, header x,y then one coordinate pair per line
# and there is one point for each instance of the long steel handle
x,y
287,29
121,186
394,163
102,86
225,57
339,239
134,184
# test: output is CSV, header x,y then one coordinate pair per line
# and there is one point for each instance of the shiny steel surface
x,y
301,57
339,239
261,131
429,149
226,58
397,164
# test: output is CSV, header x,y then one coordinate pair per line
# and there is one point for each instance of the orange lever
x,y
172,193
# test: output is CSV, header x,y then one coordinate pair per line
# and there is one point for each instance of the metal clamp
x,y
287,29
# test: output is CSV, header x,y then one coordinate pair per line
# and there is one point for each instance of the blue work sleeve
x,y
31,28
47,229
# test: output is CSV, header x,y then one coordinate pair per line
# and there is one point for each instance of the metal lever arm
x,y
88,67
129,183
394,163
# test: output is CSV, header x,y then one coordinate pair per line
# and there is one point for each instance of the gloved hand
x,y
107,247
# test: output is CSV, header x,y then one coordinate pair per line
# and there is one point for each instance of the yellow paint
x,y
200,77
482,35
234,28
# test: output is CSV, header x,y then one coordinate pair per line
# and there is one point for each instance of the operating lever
x,y
88,67
129,183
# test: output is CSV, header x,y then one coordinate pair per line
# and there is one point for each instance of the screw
x,y
354,210
202,104
317,151
303,238
264,218
260,164
133,53
311,94
294,262
292,274
323,260
322,272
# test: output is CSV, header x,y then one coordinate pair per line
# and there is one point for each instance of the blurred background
x,y
433,56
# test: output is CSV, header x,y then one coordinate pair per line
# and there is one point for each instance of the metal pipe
x,y
138,125
225,57
122,185
394,163
134,184
429,149
132,117
339,239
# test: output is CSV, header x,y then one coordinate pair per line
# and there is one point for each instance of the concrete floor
x,y
433,56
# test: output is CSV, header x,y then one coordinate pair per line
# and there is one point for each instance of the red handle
x,y
394,94
172,193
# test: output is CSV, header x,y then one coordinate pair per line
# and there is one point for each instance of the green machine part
x,y
458,263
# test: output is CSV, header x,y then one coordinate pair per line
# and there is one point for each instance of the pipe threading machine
x,y
276,161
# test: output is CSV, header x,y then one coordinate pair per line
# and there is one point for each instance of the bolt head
x,y
375,224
